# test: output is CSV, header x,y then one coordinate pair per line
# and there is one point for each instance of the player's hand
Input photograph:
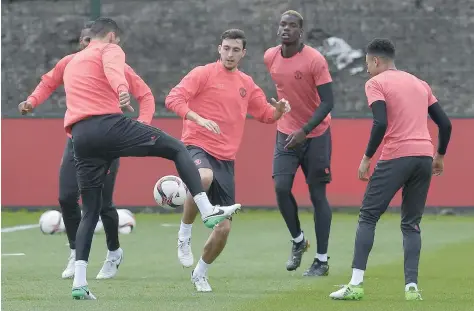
x,y
364,168
438,165
124,102
210,125
295,138
282,106
25,107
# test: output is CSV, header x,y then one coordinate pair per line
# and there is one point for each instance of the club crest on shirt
x,y
197,161
298,75
243,92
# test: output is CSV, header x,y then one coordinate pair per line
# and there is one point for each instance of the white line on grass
x,y
14,254
170,225
19,228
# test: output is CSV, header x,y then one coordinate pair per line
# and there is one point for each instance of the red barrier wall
x,y
32,149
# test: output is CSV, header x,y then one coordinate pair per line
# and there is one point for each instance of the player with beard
x,y
214,101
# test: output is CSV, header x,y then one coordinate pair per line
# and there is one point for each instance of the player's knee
x,y
107,207
318,193
207,176
223,228
66,200
409,227
369,215
283,184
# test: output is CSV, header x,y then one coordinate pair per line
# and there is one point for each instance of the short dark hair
x,y
381,47
295,14
235,34
88,25
102,26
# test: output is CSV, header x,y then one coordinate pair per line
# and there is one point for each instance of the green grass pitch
x,y
249,275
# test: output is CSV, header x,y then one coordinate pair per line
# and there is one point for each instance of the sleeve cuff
x,y
183,112
33,101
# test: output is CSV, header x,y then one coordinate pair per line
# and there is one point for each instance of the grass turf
x,y
249,275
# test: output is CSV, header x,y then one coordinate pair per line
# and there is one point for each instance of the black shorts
x,y
314,156
99,140
412,174
222,190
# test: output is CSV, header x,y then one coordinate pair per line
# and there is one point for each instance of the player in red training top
x,y
96,92
301,75
214,101
400,103
68,187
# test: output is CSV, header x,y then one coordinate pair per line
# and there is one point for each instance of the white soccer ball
x,y
126,221
170,192
50,222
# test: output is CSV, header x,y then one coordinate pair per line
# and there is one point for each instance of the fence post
x,y
95,9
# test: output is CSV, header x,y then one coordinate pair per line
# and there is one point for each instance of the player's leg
x,y
146,141
90,146
190,210
387,179
414,196
285,165
317,169
69,203
222,192
110,220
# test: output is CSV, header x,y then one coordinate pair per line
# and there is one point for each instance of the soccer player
x,y
214,101
68,188
301,75
96,92
400,103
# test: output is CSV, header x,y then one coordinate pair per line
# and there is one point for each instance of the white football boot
x,y
110,267
70,268
200,282
185,253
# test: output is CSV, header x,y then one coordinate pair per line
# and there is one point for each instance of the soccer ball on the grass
x,y
170,192
126,221
51,222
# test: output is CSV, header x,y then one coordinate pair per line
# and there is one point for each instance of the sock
x,y
357,277
185,231
411,285
299,238
73,253
114,254
201,268
202,202
322,257
80,274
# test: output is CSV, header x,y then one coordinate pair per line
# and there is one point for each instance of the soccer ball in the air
x,y
170,192
51,222
126,221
